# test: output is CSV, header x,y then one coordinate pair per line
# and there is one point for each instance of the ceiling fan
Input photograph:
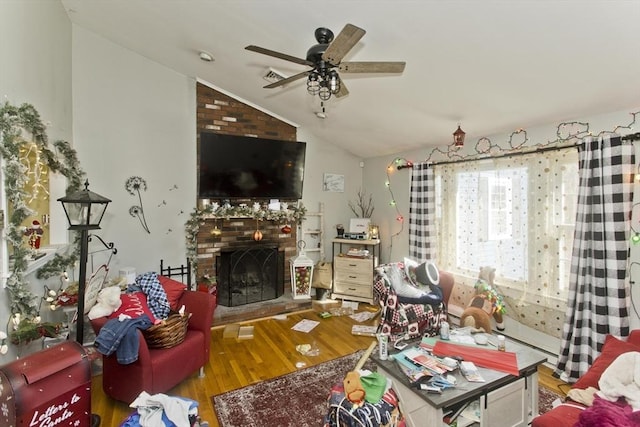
x,y
323,58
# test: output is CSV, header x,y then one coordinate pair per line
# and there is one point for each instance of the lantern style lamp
x,y
84,210
458,137
301,274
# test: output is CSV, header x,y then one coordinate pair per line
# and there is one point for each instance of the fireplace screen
x,y
248,275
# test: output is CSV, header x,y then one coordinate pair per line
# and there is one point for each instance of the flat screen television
x,y
233,167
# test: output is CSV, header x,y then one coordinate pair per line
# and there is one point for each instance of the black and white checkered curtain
x,y
598,302
422,244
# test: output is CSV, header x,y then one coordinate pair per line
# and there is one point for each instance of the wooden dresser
x,y
353,275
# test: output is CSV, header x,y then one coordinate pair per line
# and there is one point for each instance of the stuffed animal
x,y
353,390
484,288
476,318
107,302
485,303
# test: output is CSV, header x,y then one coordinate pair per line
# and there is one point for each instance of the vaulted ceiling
x,y
492,66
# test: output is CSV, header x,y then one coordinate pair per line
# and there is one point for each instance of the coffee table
x,y
505,400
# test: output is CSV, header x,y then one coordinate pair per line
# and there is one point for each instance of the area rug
x,y
298,399
546,398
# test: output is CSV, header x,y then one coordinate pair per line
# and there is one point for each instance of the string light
x,y
485,146
399,163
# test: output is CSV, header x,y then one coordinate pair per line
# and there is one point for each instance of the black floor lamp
x,y
84,210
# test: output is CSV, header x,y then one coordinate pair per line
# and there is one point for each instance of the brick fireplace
x,y
218,112
236,234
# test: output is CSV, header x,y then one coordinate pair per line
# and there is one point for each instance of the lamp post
x,y
84,210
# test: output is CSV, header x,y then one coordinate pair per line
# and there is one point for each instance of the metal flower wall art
x,y
133,187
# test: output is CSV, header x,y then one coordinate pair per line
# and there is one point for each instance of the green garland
x,y
13,121
286,215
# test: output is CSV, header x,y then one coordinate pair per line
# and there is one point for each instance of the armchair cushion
x,y
133,305
611,349
173,289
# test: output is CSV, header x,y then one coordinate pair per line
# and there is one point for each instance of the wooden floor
x,y
271,353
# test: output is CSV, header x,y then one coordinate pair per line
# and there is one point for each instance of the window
x,y
514,213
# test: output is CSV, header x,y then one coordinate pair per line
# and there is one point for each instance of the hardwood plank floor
x,y
271,353
238,363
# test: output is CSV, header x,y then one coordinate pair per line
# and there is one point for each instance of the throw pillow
x,y
173,289
612,348
133,305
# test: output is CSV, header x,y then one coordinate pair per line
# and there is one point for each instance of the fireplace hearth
x,y
249,274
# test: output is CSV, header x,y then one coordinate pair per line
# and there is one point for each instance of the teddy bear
x,y
486,302
108,301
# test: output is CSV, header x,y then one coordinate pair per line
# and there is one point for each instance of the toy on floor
x,y
485,303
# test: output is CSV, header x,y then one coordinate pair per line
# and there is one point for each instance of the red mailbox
x,y
50,388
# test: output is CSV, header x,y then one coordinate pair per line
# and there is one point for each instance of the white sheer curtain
x,y
516,214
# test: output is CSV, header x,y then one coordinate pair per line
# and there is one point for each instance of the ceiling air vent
x,y
273,76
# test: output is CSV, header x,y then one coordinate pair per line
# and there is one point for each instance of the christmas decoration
x,y
13,122
301,274
214,210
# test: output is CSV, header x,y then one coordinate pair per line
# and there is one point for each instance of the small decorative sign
x,y
333,182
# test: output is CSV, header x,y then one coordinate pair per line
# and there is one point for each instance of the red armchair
x,y
568,413
159,370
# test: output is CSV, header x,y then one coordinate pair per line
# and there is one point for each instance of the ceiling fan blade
x,y
343,90
279,55
342,44
288,80
372,67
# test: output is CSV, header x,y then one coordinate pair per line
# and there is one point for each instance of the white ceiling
x,y
492,66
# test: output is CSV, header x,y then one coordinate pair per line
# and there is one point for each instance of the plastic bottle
x,y
501,343
383,351
444,330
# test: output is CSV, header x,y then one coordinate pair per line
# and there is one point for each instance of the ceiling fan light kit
x,y
325,60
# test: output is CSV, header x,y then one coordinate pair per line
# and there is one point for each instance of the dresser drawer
x,y
354,266
354,289
354,277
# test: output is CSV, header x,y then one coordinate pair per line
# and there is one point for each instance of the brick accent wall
x,y
217,112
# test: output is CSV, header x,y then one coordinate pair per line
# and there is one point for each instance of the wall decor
x,y
133,186
333,182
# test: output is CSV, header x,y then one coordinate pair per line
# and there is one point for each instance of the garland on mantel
x,y
285,215
13,121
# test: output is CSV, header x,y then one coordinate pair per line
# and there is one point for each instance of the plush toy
x,y
485,303
353,390
484,288
476,318
107,302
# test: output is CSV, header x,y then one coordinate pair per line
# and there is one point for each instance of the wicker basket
x,y
168,333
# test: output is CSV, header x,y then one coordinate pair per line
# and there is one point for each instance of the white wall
x,y
133,117
35,68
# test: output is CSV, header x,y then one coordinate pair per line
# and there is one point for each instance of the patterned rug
x,y
299,399
546,398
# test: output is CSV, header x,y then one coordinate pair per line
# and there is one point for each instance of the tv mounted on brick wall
x,y
232,167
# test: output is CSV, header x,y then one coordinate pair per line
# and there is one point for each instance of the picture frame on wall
x,y
333,182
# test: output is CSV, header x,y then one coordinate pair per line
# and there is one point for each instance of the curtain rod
x,y
511,154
